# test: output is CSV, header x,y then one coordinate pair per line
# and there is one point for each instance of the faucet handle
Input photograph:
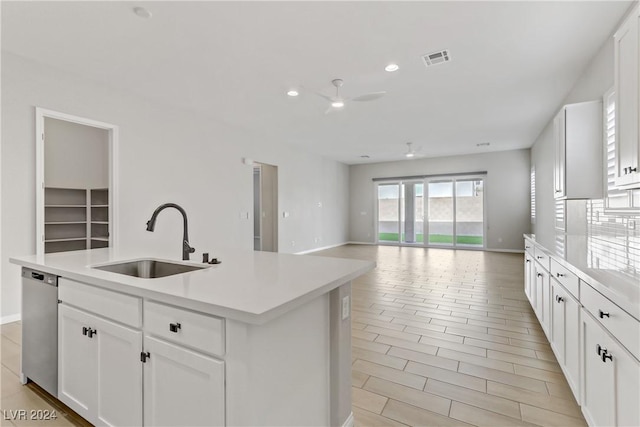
x,y
188,247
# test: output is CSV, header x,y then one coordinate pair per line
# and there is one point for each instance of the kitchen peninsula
x,y
260,339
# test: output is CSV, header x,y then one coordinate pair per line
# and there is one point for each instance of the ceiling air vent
x,y
436,58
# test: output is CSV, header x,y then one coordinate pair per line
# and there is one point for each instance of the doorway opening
x,y
75,182
436,211
265,207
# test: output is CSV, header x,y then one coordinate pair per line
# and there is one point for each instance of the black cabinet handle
x,y
85,330
559,275
602,314
539,257
173,327
559,298
91,333
528,260
605,356
600,350
539,274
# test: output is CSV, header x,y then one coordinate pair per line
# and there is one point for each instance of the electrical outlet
x,y
345,308
285,214
293,243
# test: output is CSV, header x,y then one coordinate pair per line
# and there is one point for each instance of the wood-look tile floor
x,y
447,337
440,337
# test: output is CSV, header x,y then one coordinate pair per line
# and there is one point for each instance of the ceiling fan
x,y
338,102
411,152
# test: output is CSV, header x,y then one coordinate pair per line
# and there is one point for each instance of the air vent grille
x,y
435,58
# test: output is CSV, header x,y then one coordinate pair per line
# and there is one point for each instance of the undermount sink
x,y
148,268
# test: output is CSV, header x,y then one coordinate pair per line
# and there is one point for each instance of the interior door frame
x,y
113,130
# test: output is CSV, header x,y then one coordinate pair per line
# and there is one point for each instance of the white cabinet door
x,y
542,297
77,361
182,387
119,399
527,276
627,101
611,378
100,374
565,334
560,160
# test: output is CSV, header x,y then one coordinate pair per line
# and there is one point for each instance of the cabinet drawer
x,y
622,326
566,278
542,257
185,327
528,247
122,308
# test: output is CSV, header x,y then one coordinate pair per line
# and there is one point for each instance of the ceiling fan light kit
x,y
337,102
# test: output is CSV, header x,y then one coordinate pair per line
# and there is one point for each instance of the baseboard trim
x,y
360,243
350,421
509,251
321,249
10,319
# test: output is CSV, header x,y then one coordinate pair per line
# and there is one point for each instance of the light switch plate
x,y
345,308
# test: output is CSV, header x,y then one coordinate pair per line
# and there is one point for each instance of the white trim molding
x,y
321,249
349,422
41,114
9,319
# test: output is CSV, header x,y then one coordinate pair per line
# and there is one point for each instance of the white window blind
x,y
615,198
533,195
560,215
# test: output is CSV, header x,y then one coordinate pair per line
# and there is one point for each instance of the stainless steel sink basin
x,y
148,268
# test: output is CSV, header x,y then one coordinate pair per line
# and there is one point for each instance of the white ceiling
x,y
512,64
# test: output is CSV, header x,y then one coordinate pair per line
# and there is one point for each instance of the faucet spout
x,y
151,225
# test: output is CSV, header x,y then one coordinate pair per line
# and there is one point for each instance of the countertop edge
x,y
217,310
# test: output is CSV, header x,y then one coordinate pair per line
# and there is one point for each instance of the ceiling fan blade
x,y
323,96
369,96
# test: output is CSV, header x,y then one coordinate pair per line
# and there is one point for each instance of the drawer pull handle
x,y
602,314
91,333
559,298
600,350
527,247
539,274
559,275
539,257
174,327
528,260
85,330
605,356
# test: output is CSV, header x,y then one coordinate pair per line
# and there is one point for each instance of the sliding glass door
x,y
448,210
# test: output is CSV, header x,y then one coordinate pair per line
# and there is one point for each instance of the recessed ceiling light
x,y
337,104
142,12
391,68
293,92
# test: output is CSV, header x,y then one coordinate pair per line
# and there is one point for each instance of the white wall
x,y
507,192
76,156
166,155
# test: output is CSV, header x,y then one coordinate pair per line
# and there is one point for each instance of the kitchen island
x,y
260,339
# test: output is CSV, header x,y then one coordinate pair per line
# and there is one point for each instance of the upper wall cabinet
x,y
578,159
627,75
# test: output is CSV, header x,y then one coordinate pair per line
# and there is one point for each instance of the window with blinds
x,y
533,195
615,198
560,217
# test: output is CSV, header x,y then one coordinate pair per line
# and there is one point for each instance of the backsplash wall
x,y
616,236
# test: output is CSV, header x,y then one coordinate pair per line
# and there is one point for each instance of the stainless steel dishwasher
x,y
40,329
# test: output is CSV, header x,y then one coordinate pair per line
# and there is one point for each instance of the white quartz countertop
x,y
248,286
603,263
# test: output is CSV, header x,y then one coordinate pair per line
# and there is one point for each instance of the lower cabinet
x,y
528,272
542,297
99,369
565,334
182,387
610,378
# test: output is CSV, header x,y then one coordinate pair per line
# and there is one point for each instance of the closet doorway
x,y
75,182
265,207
